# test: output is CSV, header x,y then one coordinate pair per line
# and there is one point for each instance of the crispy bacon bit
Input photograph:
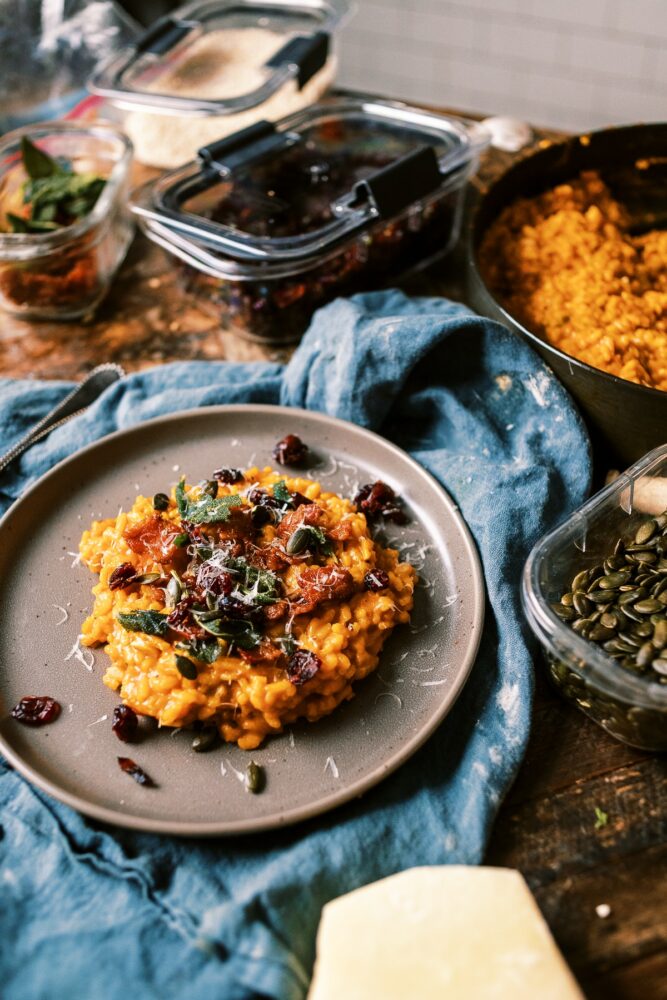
x,y
302,666
154,537
376,580
129,767
125,723
322,583
269,557
311,514
266,652
122,576
36,710
342,532
290,450
379,500
274,612
228,476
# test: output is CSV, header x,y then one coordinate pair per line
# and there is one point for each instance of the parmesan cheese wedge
x,y
446,933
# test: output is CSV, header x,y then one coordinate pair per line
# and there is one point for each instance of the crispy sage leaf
x,y
204,650
150,622
205,509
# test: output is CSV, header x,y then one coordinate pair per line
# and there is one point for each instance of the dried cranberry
x,y
298,499
376,580
228,476
262,498
181,620
125,723
129,767
233,609
261,515
36,710
379,500
214,579
122,576
290,451
302,666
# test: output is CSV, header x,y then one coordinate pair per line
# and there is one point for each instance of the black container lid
x,y
294,190
136,76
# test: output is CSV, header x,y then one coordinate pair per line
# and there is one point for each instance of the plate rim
x,y
231,828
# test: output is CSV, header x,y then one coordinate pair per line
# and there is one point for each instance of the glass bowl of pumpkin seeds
x,y
594,592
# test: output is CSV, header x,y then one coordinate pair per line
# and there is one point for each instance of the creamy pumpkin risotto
x,y
245,602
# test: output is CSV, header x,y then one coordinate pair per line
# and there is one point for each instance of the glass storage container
x,y
211,69
631,704
65,272
277,220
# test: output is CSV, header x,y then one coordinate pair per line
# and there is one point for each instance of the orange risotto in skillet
x,y
245,602
566,266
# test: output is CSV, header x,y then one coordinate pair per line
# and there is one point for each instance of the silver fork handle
x,y
75,403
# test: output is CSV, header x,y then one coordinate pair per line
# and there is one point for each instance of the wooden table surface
x,y
546,827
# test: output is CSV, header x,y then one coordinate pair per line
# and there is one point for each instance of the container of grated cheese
x,y
211,69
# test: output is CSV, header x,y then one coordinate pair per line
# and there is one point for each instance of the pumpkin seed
x,y
647,607
660,635
205,739
600,634
645,655
581,603
580,581
186,667
255,779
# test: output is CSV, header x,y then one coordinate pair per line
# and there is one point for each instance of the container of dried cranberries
x,y
64,223
278,219
595,595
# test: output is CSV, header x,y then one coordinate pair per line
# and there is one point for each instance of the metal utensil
x,y
85,393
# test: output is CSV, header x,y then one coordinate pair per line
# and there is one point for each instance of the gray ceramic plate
x,y
310,769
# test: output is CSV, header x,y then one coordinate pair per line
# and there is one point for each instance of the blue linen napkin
x,y
92,911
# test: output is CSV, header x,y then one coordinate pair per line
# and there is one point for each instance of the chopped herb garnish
x,y
204,650
281,492
241,633
287,644
150,622
601,818
258,586
206,509
181,540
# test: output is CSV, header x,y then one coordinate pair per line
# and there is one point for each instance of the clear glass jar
x,y
276,221
631,706
212,68
65,273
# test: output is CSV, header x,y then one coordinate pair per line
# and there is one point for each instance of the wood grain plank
x,y
642,980
594,945
553,836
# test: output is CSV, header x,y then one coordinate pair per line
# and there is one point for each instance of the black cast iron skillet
x,y
626,420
